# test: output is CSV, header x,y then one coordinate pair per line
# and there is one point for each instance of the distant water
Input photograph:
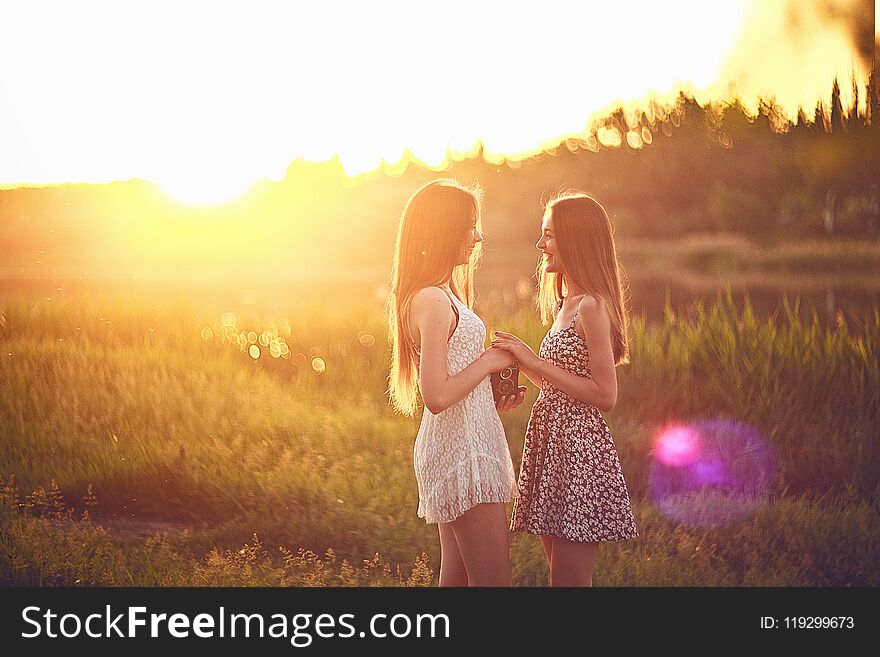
x,y
647,294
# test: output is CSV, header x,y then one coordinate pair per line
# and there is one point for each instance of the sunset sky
x,y
207,97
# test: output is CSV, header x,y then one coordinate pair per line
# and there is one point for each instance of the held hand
x,y
509,402
496,359
519,349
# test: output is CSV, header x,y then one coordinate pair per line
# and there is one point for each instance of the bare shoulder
x,y
590,306
430,300
592,313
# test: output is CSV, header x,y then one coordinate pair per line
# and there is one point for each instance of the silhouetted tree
x,y
819,118
837,118
854,110
873,109
714,167
802,121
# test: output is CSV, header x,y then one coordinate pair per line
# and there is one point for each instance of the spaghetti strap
x,y
454,307
455,312
576,313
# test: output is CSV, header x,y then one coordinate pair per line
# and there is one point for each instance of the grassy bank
x,y
786,542
167,414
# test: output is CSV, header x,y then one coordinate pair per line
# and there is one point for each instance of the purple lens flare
x,y
710,472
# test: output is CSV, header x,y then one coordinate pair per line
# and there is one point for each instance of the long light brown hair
x,y
585,241
431,240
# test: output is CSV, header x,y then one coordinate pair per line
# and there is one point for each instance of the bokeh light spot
x,y
524,288
254,351
609,137
634,139
319,365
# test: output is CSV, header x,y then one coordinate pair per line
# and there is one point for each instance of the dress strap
x,y
559,310
576,313
452,298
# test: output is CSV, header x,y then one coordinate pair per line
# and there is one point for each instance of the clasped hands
x,y
523,354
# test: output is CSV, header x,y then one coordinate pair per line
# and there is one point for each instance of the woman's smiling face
x,y
474,236
547,245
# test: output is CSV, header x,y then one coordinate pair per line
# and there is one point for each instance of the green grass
x,y
785,542
125,394
47,545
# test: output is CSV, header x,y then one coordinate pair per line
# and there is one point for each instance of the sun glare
x,y
205,190
302,83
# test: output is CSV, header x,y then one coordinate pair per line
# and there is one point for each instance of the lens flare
x,y
710,472
677,446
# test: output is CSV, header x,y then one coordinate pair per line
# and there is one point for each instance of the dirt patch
x,y
135,529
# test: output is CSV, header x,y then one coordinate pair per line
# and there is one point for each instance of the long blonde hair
x,y
431,240
585,240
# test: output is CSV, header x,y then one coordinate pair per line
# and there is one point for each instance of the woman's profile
x,y
572,492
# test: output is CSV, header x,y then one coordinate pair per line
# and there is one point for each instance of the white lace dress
x,y
461,456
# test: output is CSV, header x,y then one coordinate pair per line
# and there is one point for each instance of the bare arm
x,y
531,374
601,389
431,318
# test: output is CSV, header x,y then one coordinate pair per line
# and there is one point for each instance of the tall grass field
x,y
151,443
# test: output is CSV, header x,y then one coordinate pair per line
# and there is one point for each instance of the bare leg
x,y
547,542
572,563
452,571
484,544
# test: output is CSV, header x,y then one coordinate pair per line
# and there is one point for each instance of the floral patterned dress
x,y
570,482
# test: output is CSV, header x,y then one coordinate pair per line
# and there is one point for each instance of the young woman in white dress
x,y
461,458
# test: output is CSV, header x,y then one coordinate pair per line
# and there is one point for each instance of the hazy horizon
x,y
228,102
